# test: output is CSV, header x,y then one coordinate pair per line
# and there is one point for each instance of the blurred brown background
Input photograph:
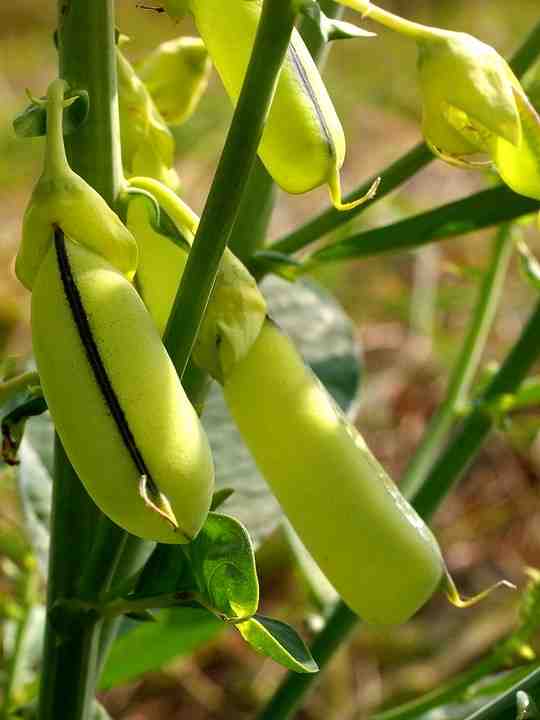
x,y
410,310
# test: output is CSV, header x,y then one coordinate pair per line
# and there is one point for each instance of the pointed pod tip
x,y
453,595
159,503
334,188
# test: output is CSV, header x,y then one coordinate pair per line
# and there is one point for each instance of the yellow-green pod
x,y
176,75
127,426
63,199
303,145
372,546
161,263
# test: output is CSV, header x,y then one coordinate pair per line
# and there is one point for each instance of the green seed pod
x,y
126,424
63,199
302,145
369,542
147,143
176,75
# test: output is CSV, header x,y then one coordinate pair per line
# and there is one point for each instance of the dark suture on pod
x,y
309,90
92,353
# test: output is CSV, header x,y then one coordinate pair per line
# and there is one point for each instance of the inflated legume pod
x,y
126,424
303,145
372,546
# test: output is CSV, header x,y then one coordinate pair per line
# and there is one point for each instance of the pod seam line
x,y
309,90
92,353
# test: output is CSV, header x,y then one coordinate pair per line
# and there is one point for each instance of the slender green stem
x,y
445,693
476,212
504,707
395,174
17,659
220,212
466,365
414,30
55,164
458,454
527,54
67,677
87,62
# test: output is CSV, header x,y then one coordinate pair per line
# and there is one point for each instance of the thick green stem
x,y
220,212
87,62
465,367
67,677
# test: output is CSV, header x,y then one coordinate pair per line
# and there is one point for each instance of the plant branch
x,y
476,212
466,365
221,209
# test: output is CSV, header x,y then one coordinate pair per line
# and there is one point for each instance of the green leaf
x,y
484,209
166,571
330,28
220,496
324,335
144,647
32,121
278,641
13,426
223,564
